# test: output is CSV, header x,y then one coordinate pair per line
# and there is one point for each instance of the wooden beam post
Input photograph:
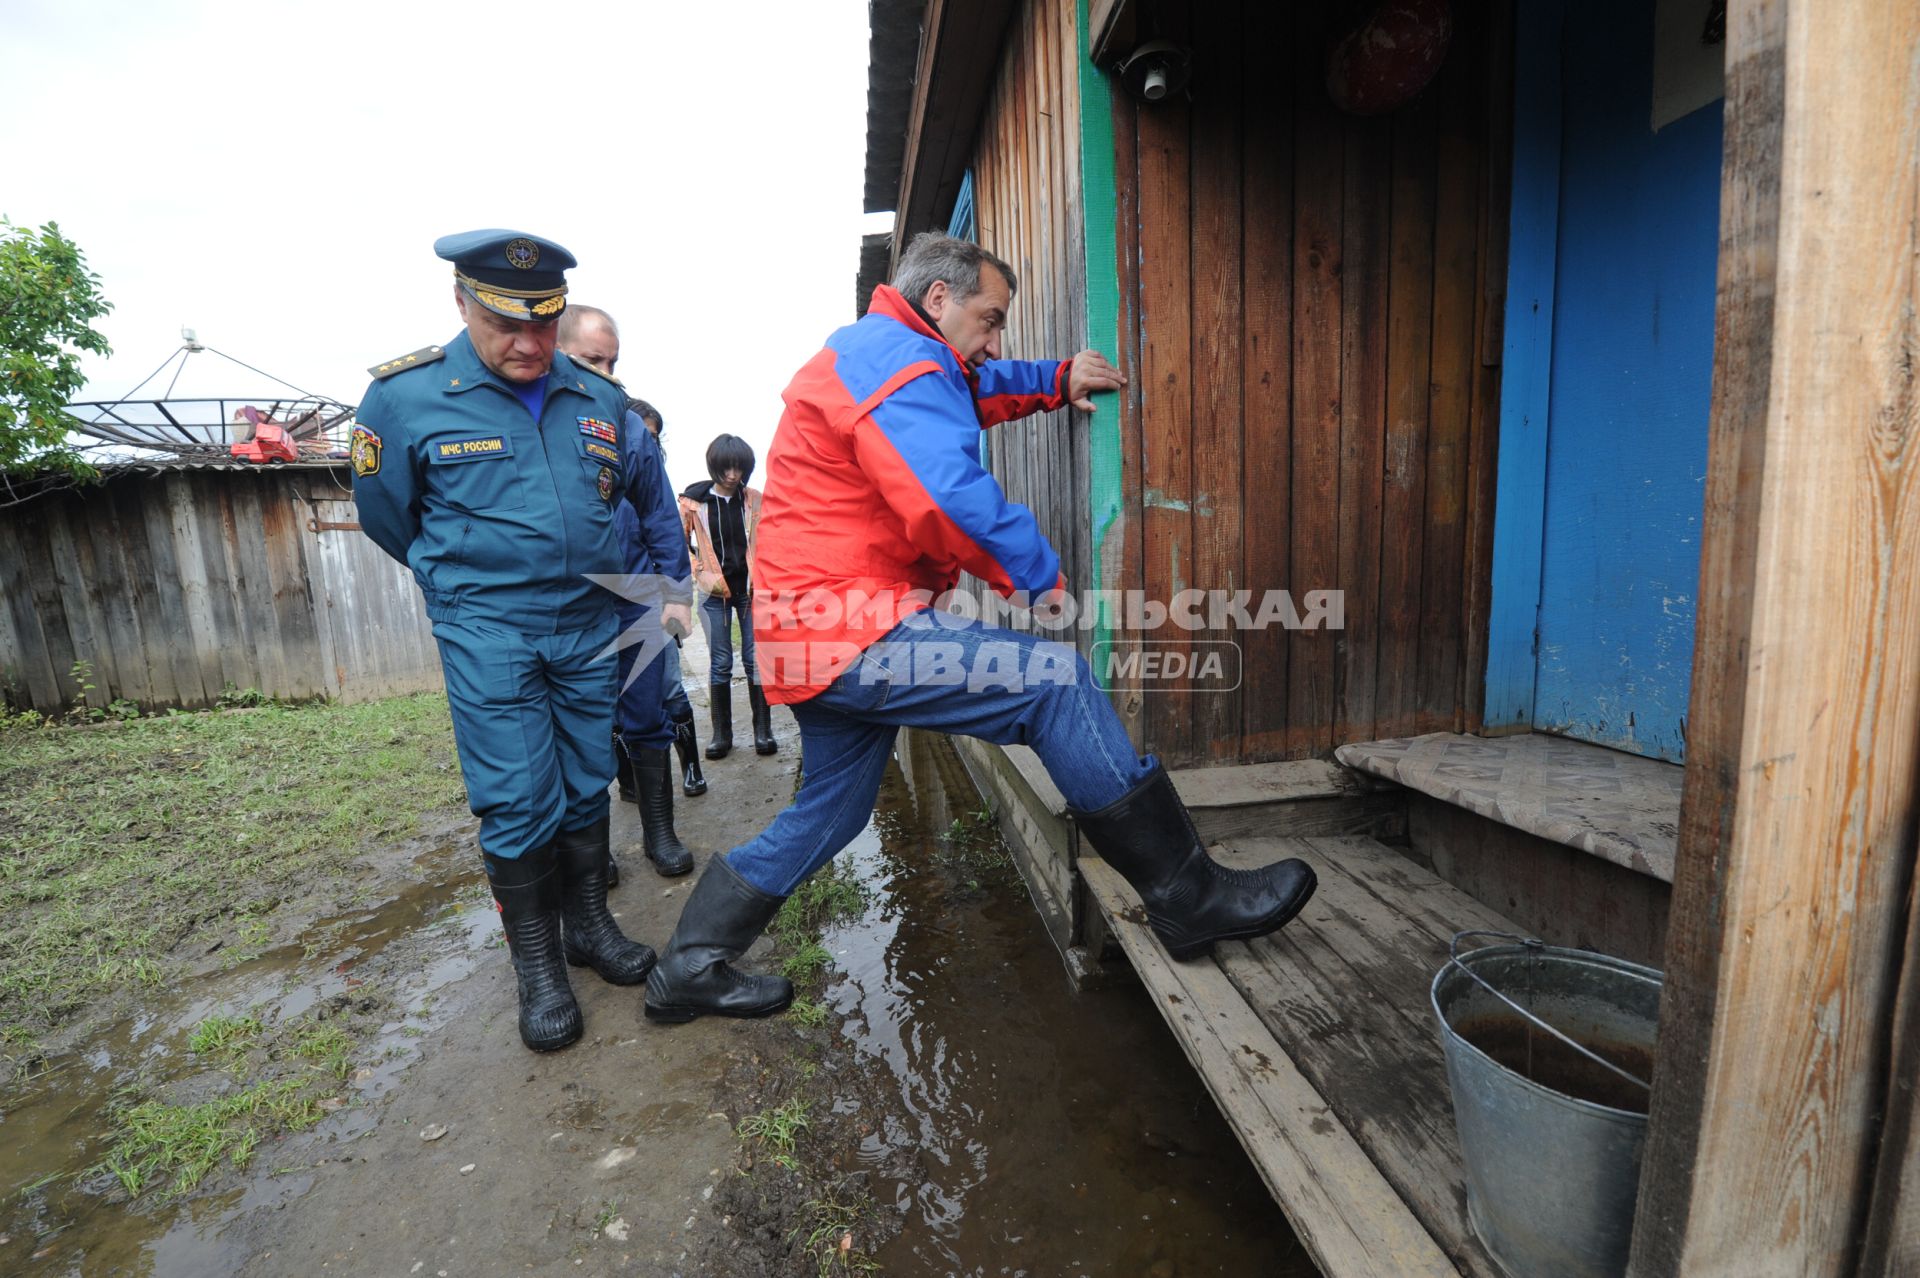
x,y
1797,832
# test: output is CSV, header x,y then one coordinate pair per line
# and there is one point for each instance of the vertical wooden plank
x,y
253,598
1125,548
1366,230
173,638
66,589
1317,245
1166,388
27,577
1483,459
1409,344
1267,370
1796,854
195,590
1218,433
110,587
283,536
1450,382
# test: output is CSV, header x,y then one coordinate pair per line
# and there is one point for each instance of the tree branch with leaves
x,y
48,302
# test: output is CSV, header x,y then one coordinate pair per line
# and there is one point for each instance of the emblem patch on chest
x,y
606,483
598,429
365,451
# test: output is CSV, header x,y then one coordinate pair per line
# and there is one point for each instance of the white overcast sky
x,y
274,175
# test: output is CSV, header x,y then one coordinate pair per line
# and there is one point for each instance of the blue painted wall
x,y
1631,374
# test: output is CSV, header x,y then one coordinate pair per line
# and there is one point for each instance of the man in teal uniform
x,y
491,468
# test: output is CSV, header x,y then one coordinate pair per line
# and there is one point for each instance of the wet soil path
x,y
1008,1125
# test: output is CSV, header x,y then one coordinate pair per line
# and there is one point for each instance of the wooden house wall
x,y
174,586
1028,211
1310,302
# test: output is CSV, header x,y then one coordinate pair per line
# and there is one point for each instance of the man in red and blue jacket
x,y
876,501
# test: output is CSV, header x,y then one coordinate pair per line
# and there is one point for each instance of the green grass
x,y
826,1235
809,1013
165,1150
326,1047
831,896
225,1038
126,851
778,1129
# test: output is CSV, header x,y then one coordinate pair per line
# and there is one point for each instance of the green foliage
x,y
808,1013
778,1128
826,1235
226,1038
48,302
169,1149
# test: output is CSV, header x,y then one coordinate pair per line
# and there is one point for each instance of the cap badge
x,y
523,254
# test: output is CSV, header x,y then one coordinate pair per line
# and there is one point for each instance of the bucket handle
x,y
1531,943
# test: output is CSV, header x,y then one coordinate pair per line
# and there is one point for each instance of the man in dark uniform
x,y
653,547
491,468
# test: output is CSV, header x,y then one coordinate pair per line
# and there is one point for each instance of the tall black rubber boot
x,y
1191,899
590,937
653,778
687,746
763,742
527,891
720,706
723,916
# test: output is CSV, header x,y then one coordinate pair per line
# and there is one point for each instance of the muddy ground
x,y
989,1123
604,1158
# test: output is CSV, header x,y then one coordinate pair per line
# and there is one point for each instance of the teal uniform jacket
x,y
499,517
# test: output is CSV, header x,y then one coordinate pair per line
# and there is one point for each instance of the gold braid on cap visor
x,y
546,301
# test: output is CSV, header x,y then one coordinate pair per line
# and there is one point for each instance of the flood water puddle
x,y
1052,1134
56,1218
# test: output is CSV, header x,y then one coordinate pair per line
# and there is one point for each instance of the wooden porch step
x,y
1619,807
1320,1047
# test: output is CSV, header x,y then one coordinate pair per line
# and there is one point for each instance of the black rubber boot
x,y
687,746
527,891
763,742
722,917
621,772
720,706
590,936
1191,899
653,778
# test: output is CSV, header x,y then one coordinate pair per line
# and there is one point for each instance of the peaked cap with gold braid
x,y
510,273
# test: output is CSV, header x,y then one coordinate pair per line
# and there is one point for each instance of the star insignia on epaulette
x,y
400,363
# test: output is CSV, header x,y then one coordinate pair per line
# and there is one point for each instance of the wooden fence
x,y
174,585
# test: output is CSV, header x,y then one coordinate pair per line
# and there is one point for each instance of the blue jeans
x,y
531,717
944,673
716,615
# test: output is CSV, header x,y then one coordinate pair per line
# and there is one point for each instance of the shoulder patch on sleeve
x,y
401,363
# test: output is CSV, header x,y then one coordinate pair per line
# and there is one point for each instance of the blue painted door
x,y
1631,370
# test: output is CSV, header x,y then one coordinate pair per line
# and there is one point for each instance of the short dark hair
x,y
932,257
729,452
648,413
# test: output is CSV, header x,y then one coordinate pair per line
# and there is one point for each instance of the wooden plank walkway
x,y
1320,1047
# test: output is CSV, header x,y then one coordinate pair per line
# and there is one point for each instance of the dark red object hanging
x,y
1394,53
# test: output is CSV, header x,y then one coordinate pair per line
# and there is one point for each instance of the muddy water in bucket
x,y
1551,1137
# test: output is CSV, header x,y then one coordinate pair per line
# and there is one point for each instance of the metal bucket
x,y
1548,1054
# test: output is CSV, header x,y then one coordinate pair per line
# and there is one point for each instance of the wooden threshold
x,y
1320,1047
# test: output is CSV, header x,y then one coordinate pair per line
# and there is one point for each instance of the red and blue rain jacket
x,y
876,498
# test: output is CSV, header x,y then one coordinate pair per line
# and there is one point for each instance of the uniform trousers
x,y
532,714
